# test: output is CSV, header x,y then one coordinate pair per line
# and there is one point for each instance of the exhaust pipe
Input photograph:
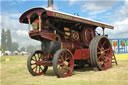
x,y
50,5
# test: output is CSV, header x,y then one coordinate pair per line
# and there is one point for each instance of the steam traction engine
x,y
68,41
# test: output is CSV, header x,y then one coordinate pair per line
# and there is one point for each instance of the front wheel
x,y
33,64
63,63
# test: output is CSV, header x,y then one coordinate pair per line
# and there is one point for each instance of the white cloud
x,y
120,22
10,21
71,2
121,26
19,31
94,6
122,13
120,29
22,33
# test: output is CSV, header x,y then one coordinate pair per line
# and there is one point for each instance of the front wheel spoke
x,y
33,63
34,67
35,57
39,55
41,68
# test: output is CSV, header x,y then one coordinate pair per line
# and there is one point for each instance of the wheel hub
x,y
38,63
102,51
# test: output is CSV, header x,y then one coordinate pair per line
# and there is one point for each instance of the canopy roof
x,y
56,14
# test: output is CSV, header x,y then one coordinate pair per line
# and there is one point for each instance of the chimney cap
x,y
50,5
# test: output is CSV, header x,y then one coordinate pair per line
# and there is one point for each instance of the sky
x,y
113,12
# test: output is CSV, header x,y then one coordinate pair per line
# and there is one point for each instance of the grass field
x,y
15,72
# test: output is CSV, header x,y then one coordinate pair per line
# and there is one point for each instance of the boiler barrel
x,y
51,47
70,45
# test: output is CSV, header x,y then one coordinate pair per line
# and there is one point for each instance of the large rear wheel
x,y
100,53
63,63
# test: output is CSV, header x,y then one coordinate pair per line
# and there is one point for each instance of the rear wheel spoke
x,y
107,49
99,57
99,48
98,52
103,44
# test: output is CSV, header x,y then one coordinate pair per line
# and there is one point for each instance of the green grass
x,y
15,72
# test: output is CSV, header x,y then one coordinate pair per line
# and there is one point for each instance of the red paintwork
x,y
107,63
88,34
29,13
44,63
35,34
70,45
36,21
78,54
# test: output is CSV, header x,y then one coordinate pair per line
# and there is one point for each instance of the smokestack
x,y
50,5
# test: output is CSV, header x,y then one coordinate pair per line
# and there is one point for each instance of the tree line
x,y
8,45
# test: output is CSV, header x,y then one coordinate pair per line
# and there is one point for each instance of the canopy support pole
x,y
103,31
39,23
29,21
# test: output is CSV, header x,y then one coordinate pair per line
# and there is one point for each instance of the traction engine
x,y
67,41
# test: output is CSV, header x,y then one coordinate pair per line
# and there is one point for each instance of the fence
x,y
120,45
